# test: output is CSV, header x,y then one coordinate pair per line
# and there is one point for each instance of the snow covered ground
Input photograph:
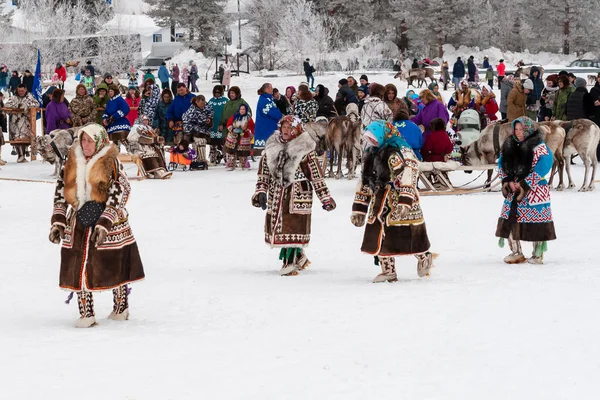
x,y
214,319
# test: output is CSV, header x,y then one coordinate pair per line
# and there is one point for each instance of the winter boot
x,y
231,162
87,318
537,257
516,257
303,261
290,261
424,264
21,154
120,310
244,163
388,270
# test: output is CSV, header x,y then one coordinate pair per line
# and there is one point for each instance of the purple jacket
x,y
175,73
57,115
435,109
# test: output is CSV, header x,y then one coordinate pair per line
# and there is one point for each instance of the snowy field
x,y
214,320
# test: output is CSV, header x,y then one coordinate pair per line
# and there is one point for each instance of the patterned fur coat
x,y
288,173
83,110
19,124
526,163
389,181
83,265
374,109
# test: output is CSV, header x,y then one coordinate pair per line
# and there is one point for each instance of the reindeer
x,y
343,137
582,137
419,74
486,149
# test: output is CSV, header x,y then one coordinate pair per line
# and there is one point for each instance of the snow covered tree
x,y
204,19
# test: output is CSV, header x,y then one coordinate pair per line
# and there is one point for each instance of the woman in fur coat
x,y
115,116
98,251
305,107
197,121
149,146
240,130
82,107
388,200
526,215
289,170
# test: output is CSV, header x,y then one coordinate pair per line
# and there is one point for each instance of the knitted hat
x,y
580,83
107,75
343,81
363,76
528,84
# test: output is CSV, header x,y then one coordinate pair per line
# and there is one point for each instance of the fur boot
x,y
213,155
424,264
21,153
244,163
120,310
200,147
388,270
231,162
516,256
290,257
537,257
303,261
87,318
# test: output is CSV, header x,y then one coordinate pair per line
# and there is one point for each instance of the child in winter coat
x,y
88,81
437,145
182,155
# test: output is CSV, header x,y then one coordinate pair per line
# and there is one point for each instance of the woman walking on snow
x,y
526,215
388,200
98,251
289,170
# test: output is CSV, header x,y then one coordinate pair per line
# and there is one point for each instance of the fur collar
x,y
517,157
376,171
83,170
283,159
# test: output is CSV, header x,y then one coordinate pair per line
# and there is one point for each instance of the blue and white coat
x,y
118,109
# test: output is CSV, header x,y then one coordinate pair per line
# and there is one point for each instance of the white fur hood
x,y
283,159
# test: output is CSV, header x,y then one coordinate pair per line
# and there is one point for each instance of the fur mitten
x,y
357,219
57,233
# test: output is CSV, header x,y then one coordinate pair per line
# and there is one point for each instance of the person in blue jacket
x,y
458,73
163,76
180,104
412,134
267,116
115,116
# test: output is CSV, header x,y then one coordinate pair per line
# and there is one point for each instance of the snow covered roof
x,y
128,23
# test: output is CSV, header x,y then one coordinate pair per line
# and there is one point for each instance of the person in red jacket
x,y
437,145
62,75
133,100
501,72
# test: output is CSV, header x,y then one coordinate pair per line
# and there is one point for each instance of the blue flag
x,y
37,80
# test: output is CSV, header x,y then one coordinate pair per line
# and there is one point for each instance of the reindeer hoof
x,y
338,176
583,189
572,186
560,188
350,177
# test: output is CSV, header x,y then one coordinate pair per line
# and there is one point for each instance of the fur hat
x,y
343,81
391,87
377,90
363,76
81,85
114,88
528,84
236,90
580,83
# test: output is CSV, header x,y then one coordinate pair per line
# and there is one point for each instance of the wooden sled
x,y
134,159
440,170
